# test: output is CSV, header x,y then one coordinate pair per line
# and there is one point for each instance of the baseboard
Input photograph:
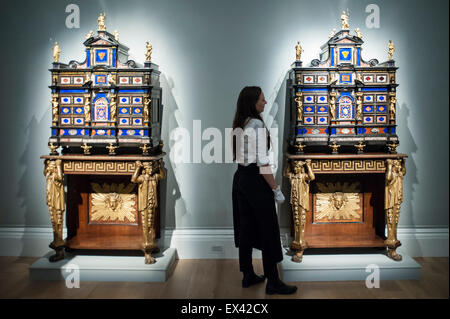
x,y
215,243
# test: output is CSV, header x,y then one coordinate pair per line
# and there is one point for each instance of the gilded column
x,y
146,176
53,173
299,200
395,171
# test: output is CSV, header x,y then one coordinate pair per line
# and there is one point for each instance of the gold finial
x,y
112,149
344,20
56,52
116,35
392,147
300,146
148,52
86,149
332,33
53,148
298,51
391,49
101,22
360,147
144,149
90,34
334,147
358,33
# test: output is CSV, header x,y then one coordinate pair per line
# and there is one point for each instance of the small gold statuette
x,y
113,108
144,149
300,146
299,102
87,108
358,33
344,20
112,149
148,52
53,148
86,149
334,147
332,33
333,105
360,147
391,49
89,35
146,112
392,147
56,52
55,107
298,51
392,107
101,22
359,107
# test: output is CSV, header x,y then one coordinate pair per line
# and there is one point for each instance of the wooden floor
x,y
218,278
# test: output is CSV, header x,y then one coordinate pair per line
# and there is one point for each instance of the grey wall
x,y
207,51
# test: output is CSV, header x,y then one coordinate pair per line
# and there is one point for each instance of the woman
x,y
254,193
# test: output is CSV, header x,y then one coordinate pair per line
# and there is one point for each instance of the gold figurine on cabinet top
x,y
56,52
334,147
358,33
344,20
101,22
112,149
144,149
332,33
90,34
53,148
298,51
391,49
116,35
148,51
360,147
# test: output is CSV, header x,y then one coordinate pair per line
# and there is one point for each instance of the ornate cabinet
x,y
106,116
345,174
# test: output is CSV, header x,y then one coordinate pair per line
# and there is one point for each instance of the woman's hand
x,y
279,197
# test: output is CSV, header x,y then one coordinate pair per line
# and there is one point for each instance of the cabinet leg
x,y
148,245
299,244
392,243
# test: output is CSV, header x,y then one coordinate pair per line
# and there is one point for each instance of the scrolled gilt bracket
x,y
55,199
395,171
300,175
147,175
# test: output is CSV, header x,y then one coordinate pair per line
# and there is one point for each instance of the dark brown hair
x,y
246,108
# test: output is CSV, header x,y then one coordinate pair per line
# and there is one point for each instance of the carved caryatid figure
x,y
116,35
89,35
358,33
359,108
395,171
56,204
113,108
54,107
87,108
332,33
392,107
299,102
148,52
101,22
56,52
391,49
147,202
146,112
333,107
298,51
299,200
344,21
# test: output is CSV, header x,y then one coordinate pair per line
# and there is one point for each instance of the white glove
x,y
279,197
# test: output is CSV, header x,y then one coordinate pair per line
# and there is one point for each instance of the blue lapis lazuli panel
x,y
360,130
358,56
114,58
385,130
65,110
368,108
54,132
381,108
88,58
322,109
137,110
145,132
333,131
345,54
332,57
124,110
101,56
392,130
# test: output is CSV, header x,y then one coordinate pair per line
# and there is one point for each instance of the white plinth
x,y
106,268
348,267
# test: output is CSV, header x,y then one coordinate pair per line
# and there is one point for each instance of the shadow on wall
x,y
171,199
409,147
33,199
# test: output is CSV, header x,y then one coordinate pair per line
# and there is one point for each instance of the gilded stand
x,y
345,200
105,209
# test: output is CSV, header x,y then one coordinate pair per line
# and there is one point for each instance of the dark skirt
x,y
254,214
